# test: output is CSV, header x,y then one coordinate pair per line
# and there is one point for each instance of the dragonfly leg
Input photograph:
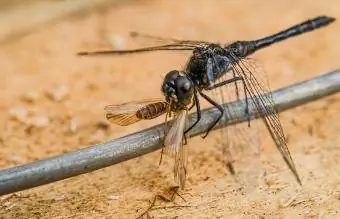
x,y
224,83
235,79
218,106
185,140
198,111
247,111
192,106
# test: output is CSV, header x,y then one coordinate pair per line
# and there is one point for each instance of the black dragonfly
x,y
213,66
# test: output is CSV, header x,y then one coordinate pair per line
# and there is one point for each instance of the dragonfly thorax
x,y
207,64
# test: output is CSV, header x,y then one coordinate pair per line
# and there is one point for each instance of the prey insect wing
x,y
260,96
131,112
174,147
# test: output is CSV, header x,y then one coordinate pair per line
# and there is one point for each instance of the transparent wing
x,y
168,40
261,97
126,113
240,142
174,147
173,46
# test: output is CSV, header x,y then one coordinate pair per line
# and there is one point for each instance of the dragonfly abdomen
x,y
298,29
152,111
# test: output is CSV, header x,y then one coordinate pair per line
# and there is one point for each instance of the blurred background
x,y
52,102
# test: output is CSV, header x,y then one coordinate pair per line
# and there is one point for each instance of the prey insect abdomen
x,y
152,111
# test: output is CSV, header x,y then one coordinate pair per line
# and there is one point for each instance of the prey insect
x,y
179,94
214,66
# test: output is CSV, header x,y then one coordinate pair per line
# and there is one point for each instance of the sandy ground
x,y
52,103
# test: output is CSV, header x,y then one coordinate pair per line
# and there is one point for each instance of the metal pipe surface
x,y
115,151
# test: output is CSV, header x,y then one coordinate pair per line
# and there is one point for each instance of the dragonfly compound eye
x,y
183,84
186,86
171,76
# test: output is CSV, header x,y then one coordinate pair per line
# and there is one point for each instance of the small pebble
x,y
30,96
59,94
9,205
97,137
16,158
40,121
112,197
72,127
18,113
59,197
117,41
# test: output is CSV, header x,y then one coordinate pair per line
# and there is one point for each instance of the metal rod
x,y
143,142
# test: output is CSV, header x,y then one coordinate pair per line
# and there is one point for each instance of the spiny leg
x,y
192,106
229,163
218,106
235,79
198,111
228,69
220,84
198,118
247,112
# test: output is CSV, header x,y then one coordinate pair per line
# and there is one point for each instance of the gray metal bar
x,y
143,142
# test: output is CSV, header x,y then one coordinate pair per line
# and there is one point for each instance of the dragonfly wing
x,y
135,34
173,46
261,97
240,142
174,147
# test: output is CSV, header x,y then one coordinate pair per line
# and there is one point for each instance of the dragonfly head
x,y
178,89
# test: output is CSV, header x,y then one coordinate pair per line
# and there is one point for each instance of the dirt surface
x,y
52,103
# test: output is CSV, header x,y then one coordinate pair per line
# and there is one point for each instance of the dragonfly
x,y
212,66
179,97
